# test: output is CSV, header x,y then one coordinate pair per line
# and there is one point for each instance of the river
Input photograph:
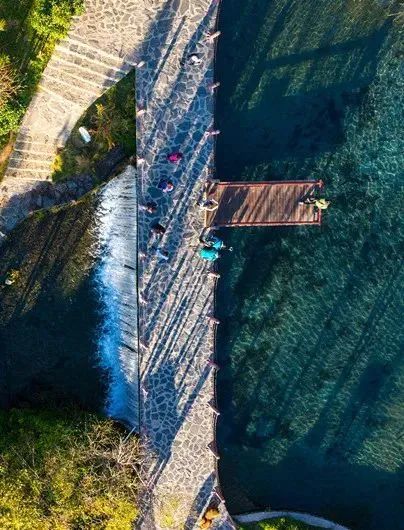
x,y
311,384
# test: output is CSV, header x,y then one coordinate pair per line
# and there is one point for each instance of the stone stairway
x,y
75,77
98,52
31,158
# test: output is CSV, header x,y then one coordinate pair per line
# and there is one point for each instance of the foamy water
x,y
116,282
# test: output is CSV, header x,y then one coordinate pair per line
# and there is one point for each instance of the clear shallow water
x,y
312,384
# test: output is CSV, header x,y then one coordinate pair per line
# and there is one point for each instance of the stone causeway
x,y
176,296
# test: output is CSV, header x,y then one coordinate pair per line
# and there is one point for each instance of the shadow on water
x,y
311,380
277,102
50,316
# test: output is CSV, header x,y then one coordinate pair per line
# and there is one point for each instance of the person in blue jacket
x,y
209,253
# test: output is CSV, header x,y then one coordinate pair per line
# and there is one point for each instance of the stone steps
x,y
72,76
93,59
34,153
32,157
20,185
28,174
27,138
75,44
28,164
35,156
79,91
76,66
55,95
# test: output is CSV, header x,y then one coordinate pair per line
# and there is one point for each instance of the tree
x,y
52,18
66,470
9,84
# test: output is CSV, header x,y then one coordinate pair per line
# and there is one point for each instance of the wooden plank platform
x,y
262,203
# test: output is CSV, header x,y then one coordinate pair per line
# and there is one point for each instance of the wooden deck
x,y
262,203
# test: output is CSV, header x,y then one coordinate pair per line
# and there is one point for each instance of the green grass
x,y
281,523
111,121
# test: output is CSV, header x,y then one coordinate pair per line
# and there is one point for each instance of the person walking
x,y
158,229
209,254
165,185
193,59
149,207
174,157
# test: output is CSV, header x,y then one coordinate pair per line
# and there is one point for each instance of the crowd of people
x,y
210,250
211,244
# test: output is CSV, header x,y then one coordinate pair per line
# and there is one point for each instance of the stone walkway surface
x,y
176,296
177,337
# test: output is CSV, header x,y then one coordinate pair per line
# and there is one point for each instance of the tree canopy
x,y
66,470
53,17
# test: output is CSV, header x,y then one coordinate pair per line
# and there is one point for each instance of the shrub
x,y
61,470
51,18
10,116
9,84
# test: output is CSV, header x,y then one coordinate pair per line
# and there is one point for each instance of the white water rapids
x,y
116,279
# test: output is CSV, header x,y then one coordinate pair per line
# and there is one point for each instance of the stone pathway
x,y
176,335
316,522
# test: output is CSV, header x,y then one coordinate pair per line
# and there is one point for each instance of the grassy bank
x,y
29,31
281,523
49,316
111,120
66,469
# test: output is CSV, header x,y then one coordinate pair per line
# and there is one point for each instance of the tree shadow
x,y
50,317
278,106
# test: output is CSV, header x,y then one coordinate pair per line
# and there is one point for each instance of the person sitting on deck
x,y
215,242
308,200
210,205
321,204
209,240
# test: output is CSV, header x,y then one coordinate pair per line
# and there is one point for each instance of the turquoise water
x,y
312,380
